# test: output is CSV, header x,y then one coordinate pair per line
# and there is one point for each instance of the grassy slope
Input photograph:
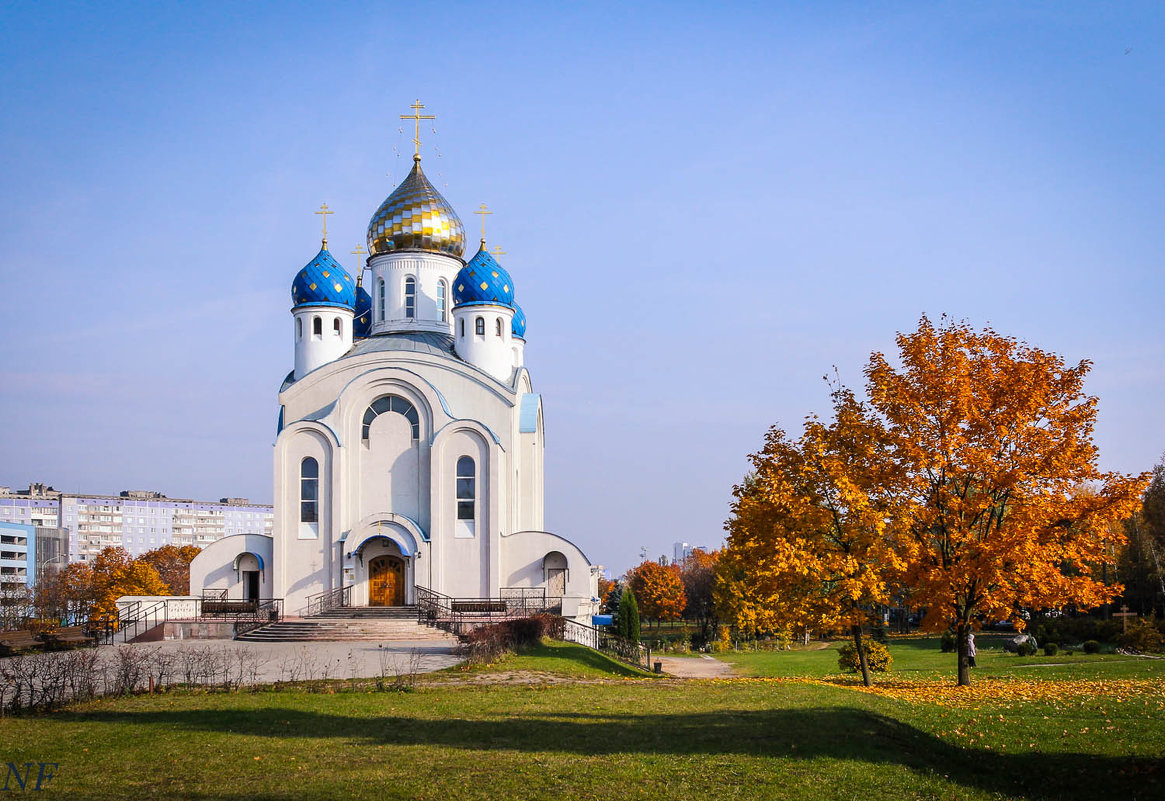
x,y
752,739
562,659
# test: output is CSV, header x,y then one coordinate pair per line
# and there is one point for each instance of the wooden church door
x,y
386,579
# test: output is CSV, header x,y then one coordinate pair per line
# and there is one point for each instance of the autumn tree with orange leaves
x,y
173,565
998,499
808,545
658,591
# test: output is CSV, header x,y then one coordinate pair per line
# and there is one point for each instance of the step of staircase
x,y
346,630
368,613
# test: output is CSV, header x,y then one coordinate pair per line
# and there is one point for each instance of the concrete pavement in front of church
x,y
267,662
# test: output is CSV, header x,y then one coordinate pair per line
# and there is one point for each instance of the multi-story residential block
x,y
136,520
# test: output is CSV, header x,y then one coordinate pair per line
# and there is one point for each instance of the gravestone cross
x,y
1124,614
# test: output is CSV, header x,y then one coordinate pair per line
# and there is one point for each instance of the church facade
x,y
410,439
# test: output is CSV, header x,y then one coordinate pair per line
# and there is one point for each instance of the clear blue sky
x,y
704,208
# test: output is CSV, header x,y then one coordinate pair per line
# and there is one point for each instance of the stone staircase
x,y
352,624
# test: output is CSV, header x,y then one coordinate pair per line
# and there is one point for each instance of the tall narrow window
x,y
336,326
498,326
410,297
441,302
299,328
309,498
479,326
462,326
317,327
466,496
380,300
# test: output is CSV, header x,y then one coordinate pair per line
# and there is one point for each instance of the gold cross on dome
x,y
416,117
482,211
497,251
359,254
324,212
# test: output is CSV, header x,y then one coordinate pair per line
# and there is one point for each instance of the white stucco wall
x,y
214,566
313,351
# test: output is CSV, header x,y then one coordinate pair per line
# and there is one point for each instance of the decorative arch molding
x,y
362,391
569,546
387,524
470,426
321,431
239,559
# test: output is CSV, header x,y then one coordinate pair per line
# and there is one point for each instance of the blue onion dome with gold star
x,y
416,217
362,322
518,326
482,281
323,282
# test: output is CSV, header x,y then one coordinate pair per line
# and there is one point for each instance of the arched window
x,y
380,300
466,496
479,327
462,326
498,326
336,326
309,496
391,403
298,328
317,327
410,297
442,303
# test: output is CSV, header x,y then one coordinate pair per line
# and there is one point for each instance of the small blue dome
x,y
362,323
323,282
518,327
483,280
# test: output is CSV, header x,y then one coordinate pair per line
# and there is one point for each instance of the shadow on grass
x,y
798,734
587,660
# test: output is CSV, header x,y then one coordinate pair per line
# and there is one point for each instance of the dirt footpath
x,y
694,667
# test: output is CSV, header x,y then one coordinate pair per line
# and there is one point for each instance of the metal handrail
x,y
460,615
330,599
612,645
133,620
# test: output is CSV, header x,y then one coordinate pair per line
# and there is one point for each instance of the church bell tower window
x,y
479,326
442,303
498,326
410,297
380,300
317,327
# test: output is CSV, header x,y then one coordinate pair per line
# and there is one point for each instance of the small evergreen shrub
x,y
878,632
1143,636
1051,649
877,656
1091,647
1025,649
947,644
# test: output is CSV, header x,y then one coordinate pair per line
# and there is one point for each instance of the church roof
x,y
362,323
518,326
416,217
429,342
483,280
323,282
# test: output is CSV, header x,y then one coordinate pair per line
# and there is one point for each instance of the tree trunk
x,y
861,646
961,630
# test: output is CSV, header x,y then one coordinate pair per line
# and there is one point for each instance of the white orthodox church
x,y
410,439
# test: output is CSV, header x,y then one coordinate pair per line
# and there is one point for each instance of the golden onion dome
x,y
416,217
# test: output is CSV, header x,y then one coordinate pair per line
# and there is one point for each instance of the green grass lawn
x,y
628,737
919,657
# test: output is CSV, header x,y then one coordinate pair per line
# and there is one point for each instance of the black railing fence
x,y
459,616
331,599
